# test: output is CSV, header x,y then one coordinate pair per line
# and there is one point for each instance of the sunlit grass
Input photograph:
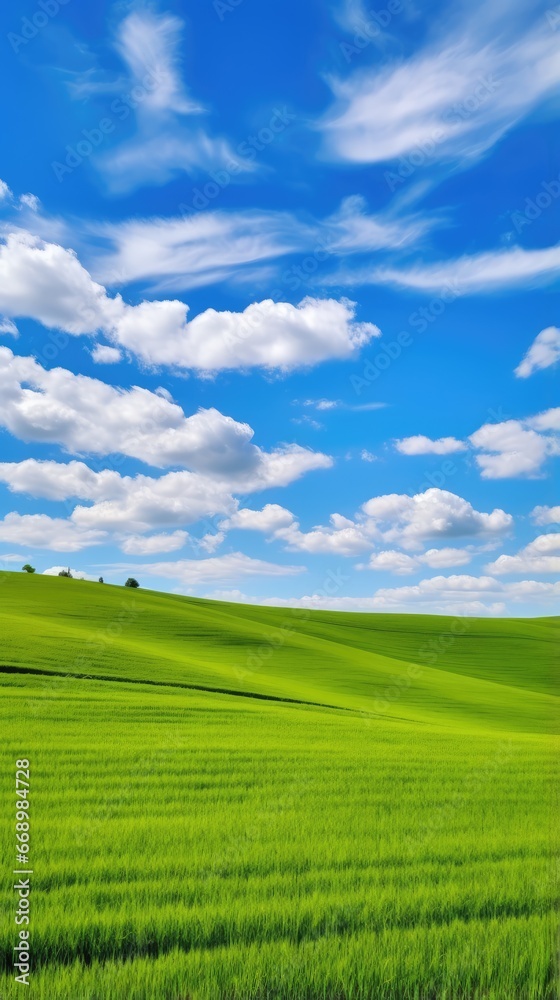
x,y
192,845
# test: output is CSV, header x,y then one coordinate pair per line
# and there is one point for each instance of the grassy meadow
x,y
239,803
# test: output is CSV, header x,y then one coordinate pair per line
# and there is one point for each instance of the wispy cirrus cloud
x,y
472,274
455,96
168,139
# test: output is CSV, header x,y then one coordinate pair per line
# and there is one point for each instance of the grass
x,y
191,844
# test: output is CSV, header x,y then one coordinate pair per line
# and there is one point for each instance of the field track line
x,y
188,687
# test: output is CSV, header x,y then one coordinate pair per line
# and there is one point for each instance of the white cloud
x,y
542,555
211,541
167,141
269,520
8,326
342,537
173,500
543,352
352,230
77,574
483,272
505,449
451,101
47,283
455,595
194,250
433,514
190,572
449,594
421,445
43,532
5,192
275,335
30,201
392,561
87,415
323,404
395,518
204,246
338,404
514,447
59,480
367,456
233,596
546,515
137,545
102,354
141,503
446,557
548,420
401,563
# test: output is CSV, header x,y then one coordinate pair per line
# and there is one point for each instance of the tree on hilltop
x,y
28,569
131,582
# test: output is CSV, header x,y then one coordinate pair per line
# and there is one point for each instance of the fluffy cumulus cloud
x,y
86,415
546,515
406,521
517,447
342,537
103,354
39,531
47,283
421,445
451,101
270,519
402,563
542,555
543,352
505,449
434,514
59,480
145,503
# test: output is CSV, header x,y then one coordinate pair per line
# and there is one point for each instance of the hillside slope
x,y
497,673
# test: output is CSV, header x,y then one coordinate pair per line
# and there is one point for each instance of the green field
x,y
234,803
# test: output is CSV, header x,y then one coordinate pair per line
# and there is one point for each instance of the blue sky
x,y
278,300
